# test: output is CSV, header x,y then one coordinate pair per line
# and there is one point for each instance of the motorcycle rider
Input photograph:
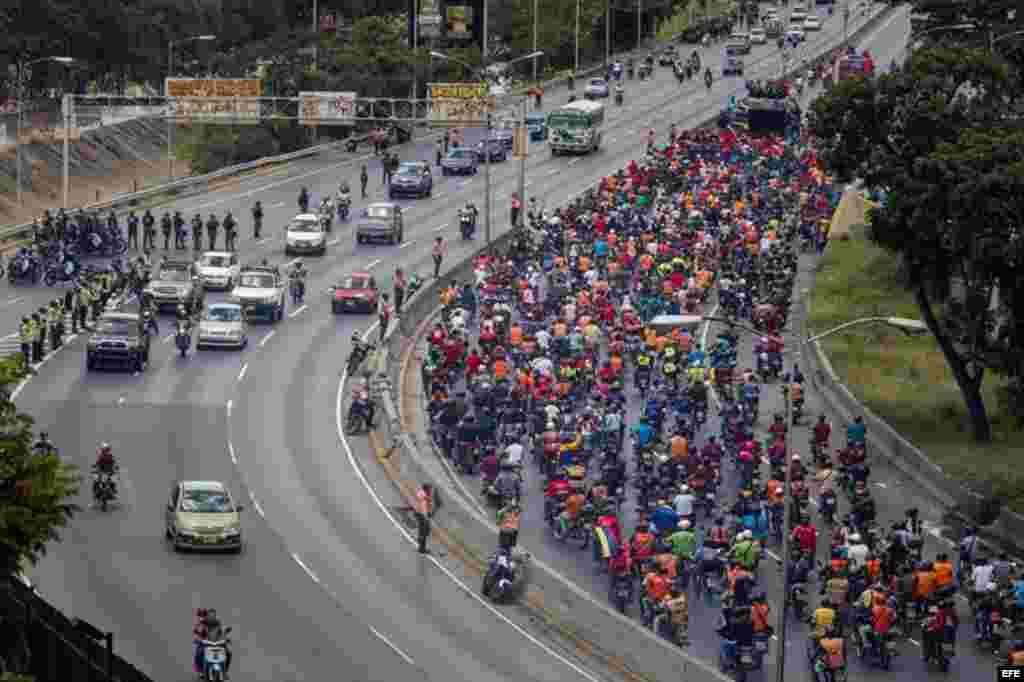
x,y
216,632
344,199
620,93
105,461
182,317
362,403
298,276
468,212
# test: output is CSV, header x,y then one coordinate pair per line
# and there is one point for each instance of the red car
x,y
356,293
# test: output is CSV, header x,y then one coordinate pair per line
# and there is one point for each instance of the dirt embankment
x,y
104,161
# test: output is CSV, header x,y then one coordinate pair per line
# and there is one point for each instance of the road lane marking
x,y
412,541
881,485
231,403
279,204
262,239
256,505
12,301
120,401
167,339
553,171
439,195
290,263
574,162
297,311
372,264
266,338
407,244
334,241
913,641
773,555
439,228
241,374
231,452
405,657
305,568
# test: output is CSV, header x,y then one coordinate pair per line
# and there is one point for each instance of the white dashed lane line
x,y
266,338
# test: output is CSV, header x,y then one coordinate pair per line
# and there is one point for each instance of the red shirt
x,y
807,536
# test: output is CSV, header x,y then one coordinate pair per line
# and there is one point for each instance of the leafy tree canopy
x,y
36,486
941,140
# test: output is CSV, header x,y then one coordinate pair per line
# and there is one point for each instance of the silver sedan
x,y
223,326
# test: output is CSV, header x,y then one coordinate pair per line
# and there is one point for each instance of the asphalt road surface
x,y
892,493
324,584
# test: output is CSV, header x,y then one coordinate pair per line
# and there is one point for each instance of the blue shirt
x,y
856,433
1018,592
665,519
644,433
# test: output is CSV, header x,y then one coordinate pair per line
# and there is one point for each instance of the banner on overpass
x,y
326,108
459,104
213,100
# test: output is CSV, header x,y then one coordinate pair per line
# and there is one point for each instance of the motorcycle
x,y
356,357
104,489
327,217
619,97
504,577
183,338
24,267
215,656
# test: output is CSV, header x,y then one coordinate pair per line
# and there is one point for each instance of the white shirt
x,y
982,577
857,554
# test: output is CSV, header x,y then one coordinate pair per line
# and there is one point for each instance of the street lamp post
x,y
481,75
639,23
22,76
170,115
908,326
576,60
536,8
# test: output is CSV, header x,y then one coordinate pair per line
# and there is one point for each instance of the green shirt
x,y
684,543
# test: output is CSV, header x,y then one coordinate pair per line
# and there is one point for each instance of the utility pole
x,y
639,23
415,46
536,8
607,33
576,61
525,135
787,521
66,110
170,114
487,176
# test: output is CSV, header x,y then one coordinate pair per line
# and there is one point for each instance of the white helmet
x,y
684,524
855,538
796,458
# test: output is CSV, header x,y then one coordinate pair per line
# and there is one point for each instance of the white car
x,y
223,326
219,270
305,234
758,36
812,24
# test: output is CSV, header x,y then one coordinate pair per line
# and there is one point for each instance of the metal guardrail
x,y
20,232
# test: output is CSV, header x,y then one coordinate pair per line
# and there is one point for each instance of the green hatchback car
x,y
201,515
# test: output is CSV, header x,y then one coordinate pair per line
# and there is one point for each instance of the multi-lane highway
x,y
324,587
893,493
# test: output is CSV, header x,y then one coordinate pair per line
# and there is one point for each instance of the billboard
x,y
326,108
458,21
462,104
214,100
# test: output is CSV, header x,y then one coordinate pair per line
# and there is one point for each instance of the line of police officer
x,y
174,225
48,322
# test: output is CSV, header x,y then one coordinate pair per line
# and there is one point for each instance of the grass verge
x,y
905,380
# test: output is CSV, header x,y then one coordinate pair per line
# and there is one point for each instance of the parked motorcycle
x,y
104,489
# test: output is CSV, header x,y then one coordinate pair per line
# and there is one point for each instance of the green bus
x,y
576,127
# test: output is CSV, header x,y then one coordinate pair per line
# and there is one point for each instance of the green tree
x,y
36,486
933,138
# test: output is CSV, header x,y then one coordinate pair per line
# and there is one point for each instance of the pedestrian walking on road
x,y
399,284
364,177
427,502
438,253
439,153
257,220
384,312
447,139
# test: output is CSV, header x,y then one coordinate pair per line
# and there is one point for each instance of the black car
x,y
118,340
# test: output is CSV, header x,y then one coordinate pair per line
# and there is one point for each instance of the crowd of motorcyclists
x,y
542,354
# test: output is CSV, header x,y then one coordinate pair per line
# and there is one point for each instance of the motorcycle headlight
x,y
231,532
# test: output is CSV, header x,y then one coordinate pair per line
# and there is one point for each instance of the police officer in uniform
x,y
54,317
257,219
26,333
230,231
84,301
179,232
166,225
197,233
133,230
148,230
38,332
211,231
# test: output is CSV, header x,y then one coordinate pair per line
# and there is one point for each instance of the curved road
x,y
892,492
324,584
